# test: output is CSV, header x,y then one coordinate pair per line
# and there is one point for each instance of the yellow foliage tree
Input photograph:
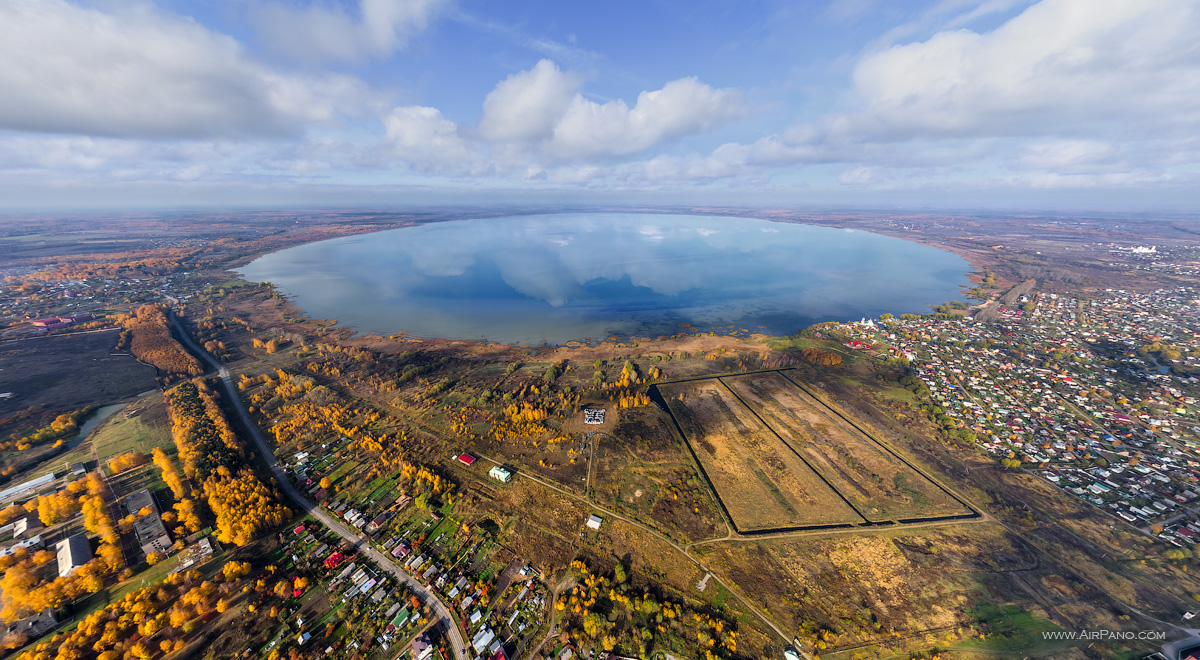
x,y
126,461
243,505
170,474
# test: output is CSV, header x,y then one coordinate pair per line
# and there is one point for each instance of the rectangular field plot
x,y
877,482
762,483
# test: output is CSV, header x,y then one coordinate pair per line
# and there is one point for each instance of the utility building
x,y
73,553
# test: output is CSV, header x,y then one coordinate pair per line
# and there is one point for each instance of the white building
x,y
593,416
500,473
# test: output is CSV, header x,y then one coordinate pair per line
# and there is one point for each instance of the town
x,y
1098,396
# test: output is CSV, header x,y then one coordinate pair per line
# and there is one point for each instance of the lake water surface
x,y
555,278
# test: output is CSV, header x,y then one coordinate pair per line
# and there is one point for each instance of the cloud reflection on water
x,y
554,278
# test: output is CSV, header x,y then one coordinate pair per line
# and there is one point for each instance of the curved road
x,y
381,560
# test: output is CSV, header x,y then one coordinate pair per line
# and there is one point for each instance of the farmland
x,y
70,371
53,375
781,459
873,479
761,481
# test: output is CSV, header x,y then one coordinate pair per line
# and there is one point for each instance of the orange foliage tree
x,y
213,455
820,356
243,505
170,473
149,338
126,461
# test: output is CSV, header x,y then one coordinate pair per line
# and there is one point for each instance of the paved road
x,y
381,560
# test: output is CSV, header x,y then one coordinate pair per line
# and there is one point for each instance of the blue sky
x,y
855,103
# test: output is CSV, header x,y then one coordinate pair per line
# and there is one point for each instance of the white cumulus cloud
x,y
1065,85
527,106
425,139
682,107
1057,65
543,110
136,72
320,32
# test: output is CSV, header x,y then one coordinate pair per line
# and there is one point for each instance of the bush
x,y
821,357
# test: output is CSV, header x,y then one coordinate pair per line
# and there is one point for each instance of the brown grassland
x,y
877,483
642,469
762,482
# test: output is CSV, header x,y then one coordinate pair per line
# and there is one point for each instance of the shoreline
x,y
973,276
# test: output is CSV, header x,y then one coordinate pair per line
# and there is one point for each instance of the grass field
x,y
80,449
140,427
876,482
1011,629
643,470
68,372
762,482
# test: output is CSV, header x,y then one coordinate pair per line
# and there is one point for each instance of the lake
x,y
584,276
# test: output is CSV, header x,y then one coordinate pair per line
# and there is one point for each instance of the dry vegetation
x,y
904,590
876,482
762,482
644,471
147,335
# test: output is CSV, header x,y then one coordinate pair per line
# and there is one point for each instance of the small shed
x,y
594,521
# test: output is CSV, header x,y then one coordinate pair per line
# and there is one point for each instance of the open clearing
x,y
642,469
874,480
68,372
762,483
140,427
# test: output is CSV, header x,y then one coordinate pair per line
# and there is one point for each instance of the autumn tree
x,y
189,515
57,507
148,336
234,570
821,357
243,505
202,435
170,474
126,461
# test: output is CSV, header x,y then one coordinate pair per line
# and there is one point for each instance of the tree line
x,y
147,335
214,457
